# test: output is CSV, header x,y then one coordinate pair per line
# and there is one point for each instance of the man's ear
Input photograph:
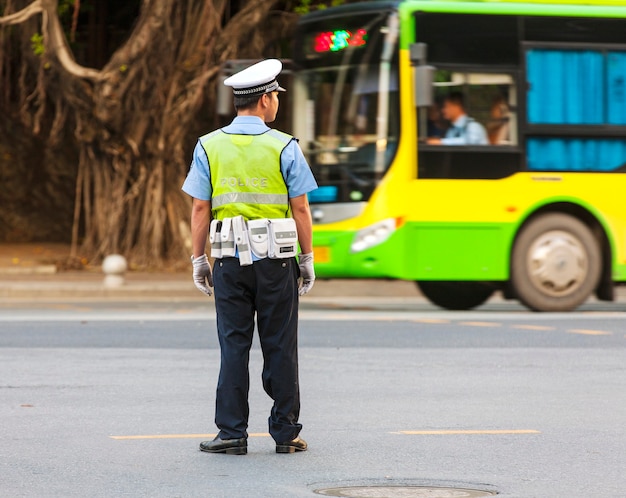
x,y
263,100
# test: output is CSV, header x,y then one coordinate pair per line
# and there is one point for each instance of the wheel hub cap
x,y
557,262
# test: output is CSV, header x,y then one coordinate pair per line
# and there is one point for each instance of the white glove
x,y
307,273
202,274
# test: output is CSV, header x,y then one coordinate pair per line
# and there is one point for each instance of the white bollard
x,y
114,267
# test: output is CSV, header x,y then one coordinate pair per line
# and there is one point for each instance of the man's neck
x,y
459,119
250,112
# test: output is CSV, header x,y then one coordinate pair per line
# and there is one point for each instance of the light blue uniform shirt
x,y
293,165
465,131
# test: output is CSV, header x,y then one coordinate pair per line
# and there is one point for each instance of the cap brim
x,y
280,89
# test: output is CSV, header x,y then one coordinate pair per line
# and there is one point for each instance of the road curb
x,y
45,282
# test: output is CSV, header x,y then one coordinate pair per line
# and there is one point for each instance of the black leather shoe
x,y
291,446
228,446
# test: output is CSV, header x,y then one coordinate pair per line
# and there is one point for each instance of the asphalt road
x,y
109,400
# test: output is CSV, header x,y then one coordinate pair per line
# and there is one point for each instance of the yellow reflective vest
x,y
245,174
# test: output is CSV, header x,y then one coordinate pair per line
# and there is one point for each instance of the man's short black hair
x,y
456,98
246,101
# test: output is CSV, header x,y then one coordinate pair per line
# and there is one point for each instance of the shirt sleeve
x,y
462,140
476,134
473,134
198,181
296,171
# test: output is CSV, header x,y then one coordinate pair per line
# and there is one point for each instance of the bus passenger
x,y
464,130
498,126
436,125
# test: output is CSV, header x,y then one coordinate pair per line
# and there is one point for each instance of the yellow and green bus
x,y
539,212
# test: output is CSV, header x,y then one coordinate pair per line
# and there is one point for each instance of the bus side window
x,y
488,98
576,109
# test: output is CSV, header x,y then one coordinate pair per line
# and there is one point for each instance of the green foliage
x,y
443,76
71,20
303,7
64,7
36,43
306,6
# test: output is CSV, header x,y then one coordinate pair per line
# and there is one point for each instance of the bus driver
x,y
463,130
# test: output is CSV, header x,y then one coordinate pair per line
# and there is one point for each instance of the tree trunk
x,y
134,122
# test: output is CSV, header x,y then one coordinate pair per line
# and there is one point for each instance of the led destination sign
x,y
334,41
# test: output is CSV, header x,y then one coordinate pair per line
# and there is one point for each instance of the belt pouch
x,y
258,235
283,238
215,239
241,240
228,238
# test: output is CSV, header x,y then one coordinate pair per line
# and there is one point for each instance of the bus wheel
x,y
456,295
556,263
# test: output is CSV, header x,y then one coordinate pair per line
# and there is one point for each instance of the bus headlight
x,y
373,235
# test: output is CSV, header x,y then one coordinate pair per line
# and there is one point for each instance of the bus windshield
x,y
350,76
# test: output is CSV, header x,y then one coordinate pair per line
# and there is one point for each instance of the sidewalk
x,y
29,272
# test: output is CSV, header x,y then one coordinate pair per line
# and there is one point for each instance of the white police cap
x,y
257,79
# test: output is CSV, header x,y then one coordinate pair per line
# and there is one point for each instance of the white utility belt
x,y
265,238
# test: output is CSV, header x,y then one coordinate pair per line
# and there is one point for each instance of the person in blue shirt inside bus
x,y
464,130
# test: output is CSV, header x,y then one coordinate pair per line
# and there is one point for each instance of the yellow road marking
x,y
408,433
533,327
481,324
431,320
463,432
589,332
182,436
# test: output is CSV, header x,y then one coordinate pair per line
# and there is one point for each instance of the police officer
x,y
248,169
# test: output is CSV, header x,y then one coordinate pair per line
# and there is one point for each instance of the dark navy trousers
x,y
269,289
